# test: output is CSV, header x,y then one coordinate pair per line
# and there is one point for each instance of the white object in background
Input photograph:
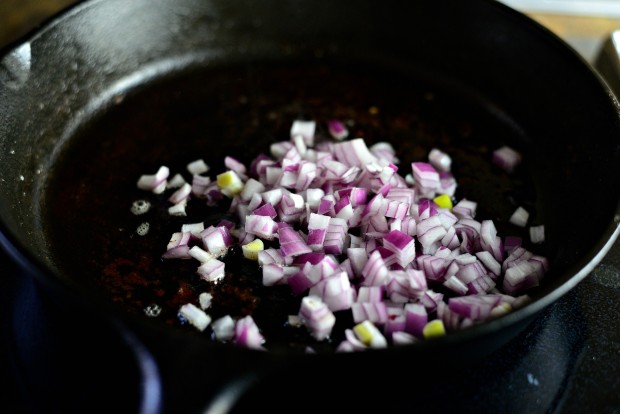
x,y
603,8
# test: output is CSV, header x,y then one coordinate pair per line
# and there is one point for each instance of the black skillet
x,y
111,89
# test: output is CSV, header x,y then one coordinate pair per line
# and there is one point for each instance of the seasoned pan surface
x,y
210,114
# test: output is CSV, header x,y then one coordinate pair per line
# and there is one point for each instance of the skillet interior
x,y
212,113
506,60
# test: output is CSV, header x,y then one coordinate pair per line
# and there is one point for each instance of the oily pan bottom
x,y
238,111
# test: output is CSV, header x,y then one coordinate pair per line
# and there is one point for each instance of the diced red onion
x,y
477,307
304,128
205,299
506,158
200,185
490,263
512,242
520,277
199,254
337,129
416,317
155,182
334,290
212,270
224,328
465,209
176,181
197,167
519,217
353,152
402,245
456,285
395,322
346,225
439,160
375,312
403,338
178,246
317,317
261,226
537,234
195,316
247,333
236,166
375,272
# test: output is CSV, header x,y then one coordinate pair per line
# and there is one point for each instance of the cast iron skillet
x,y
131,85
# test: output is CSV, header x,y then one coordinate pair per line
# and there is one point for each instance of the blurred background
x,y
18,17
584,24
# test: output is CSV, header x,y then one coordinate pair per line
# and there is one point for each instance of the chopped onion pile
x,y
348,230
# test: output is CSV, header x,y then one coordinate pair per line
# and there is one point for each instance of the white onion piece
x,y
519,217
176,181
212,270
201,255
195,316
205,299
305,129
178,209
194,229
223,328
197,167
155,182
440,160
537,234
506,158
201,185
403,338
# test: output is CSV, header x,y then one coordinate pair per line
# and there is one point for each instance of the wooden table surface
x,y
18,17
